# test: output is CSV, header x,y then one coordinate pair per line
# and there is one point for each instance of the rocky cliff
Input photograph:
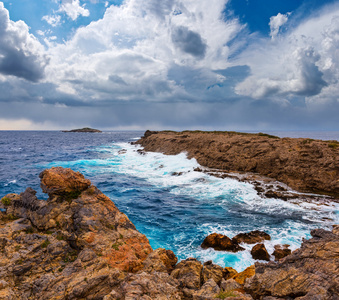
x,y
78,245
304,164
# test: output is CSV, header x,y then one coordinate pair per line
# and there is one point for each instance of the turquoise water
x,y
174,212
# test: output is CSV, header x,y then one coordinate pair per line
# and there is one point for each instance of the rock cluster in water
x,y
78,245
304,164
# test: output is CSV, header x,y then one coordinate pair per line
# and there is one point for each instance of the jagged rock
x,y
66,248
229,285
229,272
247,273
208,291
144,286
220,242
252,237
213,271
160,260
63,182
310,272
259,252
188,272
281,251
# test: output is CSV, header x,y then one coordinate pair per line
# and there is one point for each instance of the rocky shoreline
x,y
78,245
306,165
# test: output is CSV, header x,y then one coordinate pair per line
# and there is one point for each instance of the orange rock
x,y
61,181
247,273
229,272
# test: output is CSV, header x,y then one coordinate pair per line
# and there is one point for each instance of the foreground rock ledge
x,y
304,164
78,245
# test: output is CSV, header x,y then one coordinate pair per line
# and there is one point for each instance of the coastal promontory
x,y
306,165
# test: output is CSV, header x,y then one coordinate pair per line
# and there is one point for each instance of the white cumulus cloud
x,y
129,53
276,22
73,9
302,62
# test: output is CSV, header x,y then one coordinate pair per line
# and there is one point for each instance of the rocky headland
x,y
78,245
85,129
306,165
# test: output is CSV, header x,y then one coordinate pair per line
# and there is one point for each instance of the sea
x,y
174,212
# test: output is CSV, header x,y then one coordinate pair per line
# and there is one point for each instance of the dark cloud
x,y
16,63
311,76
243,114
20,53
189,41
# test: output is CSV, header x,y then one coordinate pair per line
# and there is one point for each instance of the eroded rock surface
x,y
77,231
310,272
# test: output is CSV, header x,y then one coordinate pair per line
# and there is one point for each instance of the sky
x,y
173,64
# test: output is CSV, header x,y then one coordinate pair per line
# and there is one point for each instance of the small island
x,y
86,129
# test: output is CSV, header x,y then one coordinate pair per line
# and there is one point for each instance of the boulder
x,y
63,182
281,251
208,291
213,271
221,243
310,272
188,273
160,260
252,237
259,252
229,285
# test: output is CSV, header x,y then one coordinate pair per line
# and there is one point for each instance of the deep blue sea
x,y
174,212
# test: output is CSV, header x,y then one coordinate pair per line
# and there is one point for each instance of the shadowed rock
x,y
221,243
259,252
281,251
252,237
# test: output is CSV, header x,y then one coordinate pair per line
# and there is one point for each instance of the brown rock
x,y
63,182
281,251
310,272
220,242
147,286
259,252
229,273
160,260
188,272
61,249
304,164
229,285
212,271
252,237
208,291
